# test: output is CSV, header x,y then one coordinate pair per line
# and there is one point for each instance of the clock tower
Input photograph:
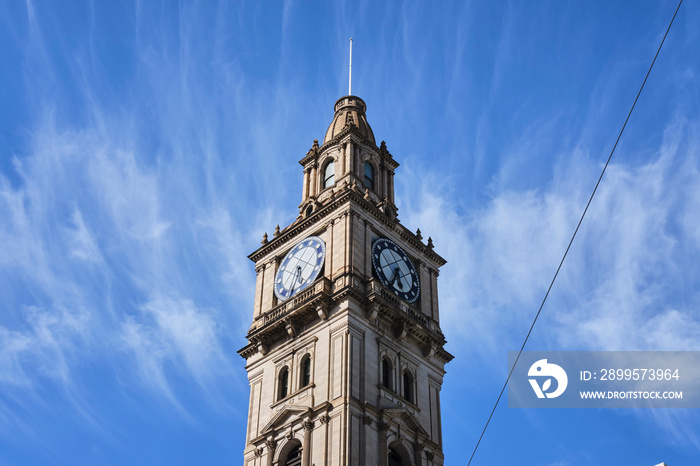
x,y
345,356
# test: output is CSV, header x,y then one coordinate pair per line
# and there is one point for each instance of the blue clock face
x,y
300,267
395,270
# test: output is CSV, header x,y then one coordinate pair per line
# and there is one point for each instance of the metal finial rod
x,y
350,78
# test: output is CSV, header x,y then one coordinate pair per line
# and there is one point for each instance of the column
x,y
314,180
351,157
271,444
305,188
306,448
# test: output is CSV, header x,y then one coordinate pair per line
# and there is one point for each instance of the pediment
x,y
407,418
283,416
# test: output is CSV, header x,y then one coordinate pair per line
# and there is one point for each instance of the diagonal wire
x,y
574,235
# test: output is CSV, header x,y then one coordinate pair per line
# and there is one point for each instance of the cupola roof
x,y
349,111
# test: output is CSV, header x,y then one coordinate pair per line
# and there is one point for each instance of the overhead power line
x,y
574,235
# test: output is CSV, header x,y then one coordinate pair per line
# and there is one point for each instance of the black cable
x,y
574,235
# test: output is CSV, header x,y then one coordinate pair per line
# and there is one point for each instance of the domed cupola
x,y
349,111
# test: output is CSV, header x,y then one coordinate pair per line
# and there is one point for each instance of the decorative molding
x,y
331,206
325,419
338,328
308,425
367,420
255,375
383,426
357,328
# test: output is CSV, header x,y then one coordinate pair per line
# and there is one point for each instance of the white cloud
x,y
82,242
628,282
46,348
169,335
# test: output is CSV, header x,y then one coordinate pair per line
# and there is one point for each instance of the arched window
x,y
329,175
283,383
369,175
305,371
407,386
386,373
293,457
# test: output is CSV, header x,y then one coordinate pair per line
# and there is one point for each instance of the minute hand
x,y
297,277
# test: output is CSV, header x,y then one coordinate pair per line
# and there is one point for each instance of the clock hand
x,y
396,278
295,279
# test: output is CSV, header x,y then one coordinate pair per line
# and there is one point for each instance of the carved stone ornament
x,y
401,331
291,330
259,452
383,426
325,419
308,425
430,455
373,312
322,312
367,420
264,240
271,444
349,120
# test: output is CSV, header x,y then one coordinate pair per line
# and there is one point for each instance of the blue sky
x,y
146,146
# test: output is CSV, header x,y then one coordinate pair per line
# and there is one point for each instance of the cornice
x,y
344,197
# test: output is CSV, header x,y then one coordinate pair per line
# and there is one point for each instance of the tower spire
x,y
350,77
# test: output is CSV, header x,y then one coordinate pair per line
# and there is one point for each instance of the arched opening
x,y
386,373
283,383
394,458
369,176
293,457
329,175
408,386
305,371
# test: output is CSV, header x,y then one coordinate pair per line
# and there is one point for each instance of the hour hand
x,y
395,278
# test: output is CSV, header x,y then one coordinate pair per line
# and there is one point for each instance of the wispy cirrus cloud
x,y
621,286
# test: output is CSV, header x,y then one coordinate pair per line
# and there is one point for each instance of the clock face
x,y
300,267
395,270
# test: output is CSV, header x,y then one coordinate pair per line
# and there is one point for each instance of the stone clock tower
x,y
345,356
